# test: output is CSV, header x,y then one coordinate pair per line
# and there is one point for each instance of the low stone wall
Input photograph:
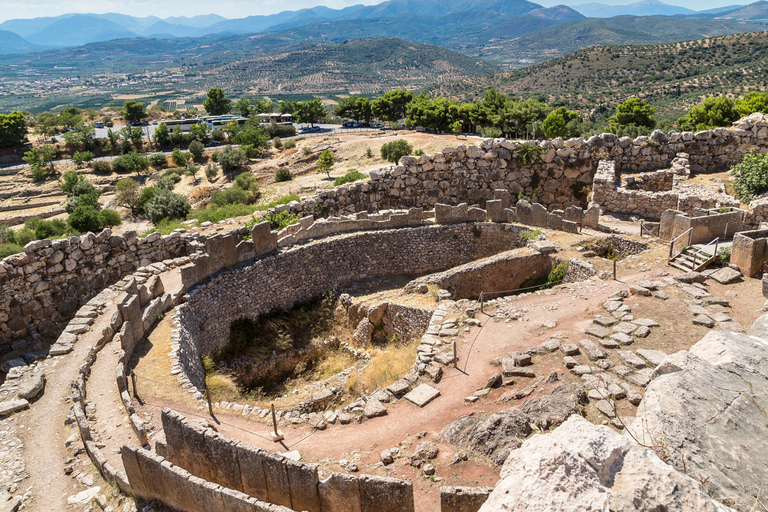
x,y
405,322
706,224
272,478
41,288
579,270
502,272
748,251
152,477
296,275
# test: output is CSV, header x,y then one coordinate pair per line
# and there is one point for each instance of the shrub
x,y
68,182
231,159
289,144
556,275
368,153
24,236
40,173
283,174
211,171
166,205
250,150
246,181
83,193
277,143
110,218
146,195
395,150
201,194
8,249
351,176
102,166
724,255
325,162
280,130
85,218
173,174
127,194
750,176
418,152
158,159
179,157
167,182
53,228
529,234
229,195
306,151
281,220
196,148
130,162
215,213
80,157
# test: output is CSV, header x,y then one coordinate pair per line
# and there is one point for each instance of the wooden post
x,y
277,436
208,397
614,270
481,302
133,381
455,356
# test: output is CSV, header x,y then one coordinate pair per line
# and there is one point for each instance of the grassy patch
x,y
385,368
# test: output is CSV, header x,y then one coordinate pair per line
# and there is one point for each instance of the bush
x,y
289,144
306,151
229,195
173,174
130,162
418,152
80,157
283,174
368,153
83,193
281,220
68,182
529,234
102,166
231,159
280,130
395,150
47,228
351,176
167,182
211,171
110,218
85,218
750,176
166,205
127,194
250,150
325,162
196,148
215,213
555,277
23,236
724,255
158,159
180,158
277,143
145,196
8,249
246,181
40,173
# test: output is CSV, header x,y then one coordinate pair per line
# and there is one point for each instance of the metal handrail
x,y
716,241
688,232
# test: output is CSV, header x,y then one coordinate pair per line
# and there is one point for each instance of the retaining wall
x,y
502,272
273,478
301,273
748,251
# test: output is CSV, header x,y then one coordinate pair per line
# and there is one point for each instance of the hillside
x,y
755,13
12,43
673,77
644,8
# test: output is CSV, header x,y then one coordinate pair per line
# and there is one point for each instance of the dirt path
x,y
43,432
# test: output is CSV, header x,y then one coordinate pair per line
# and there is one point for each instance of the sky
x,y
10,9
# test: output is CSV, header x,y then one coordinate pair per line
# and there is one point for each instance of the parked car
x,y
347,124
154,122
315,129
213,144
306,130
98,124
110,124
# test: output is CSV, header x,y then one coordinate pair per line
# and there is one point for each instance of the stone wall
x,y
706,224
273,478
502,272
296,275
561,175
748,251
41,288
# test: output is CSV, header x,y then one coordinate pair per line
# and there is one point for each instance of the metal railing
x,y
716,241
688,232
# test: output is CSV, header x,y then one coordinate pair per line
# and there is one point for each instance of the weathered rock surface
x,y
585,467
497,434
706,404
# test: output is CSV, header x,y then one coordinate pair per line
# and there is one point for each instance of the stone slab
x,y
598,331
12,406
422,394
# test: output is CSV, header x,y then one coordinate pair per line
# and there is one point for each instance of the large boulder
x,y
496,435
706,409
584,467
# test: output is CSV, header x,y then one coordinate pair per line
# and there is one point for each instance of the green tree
x,y
166,205
70,117
309,111
288,107
557,122
13,130
81,137
80,157
69,180
325,162
433,114
750,176
393,105
395,150
711,113
132,135
127,194
528,116
179,157
753,102
41,160
216,103
633,113
162,135
130,162
197,149
44,127
134,111
230,159
244,107
262,106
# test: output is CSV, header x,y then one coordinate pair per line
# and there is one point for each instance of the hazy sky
x,y
10,9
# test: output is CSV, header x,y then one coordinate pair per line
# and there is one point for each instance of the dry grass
x,y
385,367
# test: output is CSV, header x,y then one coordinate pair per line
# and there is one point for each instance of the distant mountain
x,y
202,21
14,43
556,13
79,30
644,8
755,13
718,10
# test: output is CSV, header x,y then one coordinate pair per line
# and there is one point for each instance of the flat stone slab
x,y
12,406
622,339
725,275
609,343
641,377
647,322
31,386
605,407
731,327
690,277
631,359
612,305
655,357
598,331
422,394
592,350
642,332
570,362
720,301
59,349
720,317
604,321
703,320
581,369
570,349
625,328
661,295
374,408
696,293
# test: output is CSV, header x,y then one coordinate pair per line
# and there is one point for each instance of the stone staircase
x,y
692,259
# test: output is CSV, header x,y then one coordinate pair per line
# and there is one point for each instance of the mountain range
x,y
72,30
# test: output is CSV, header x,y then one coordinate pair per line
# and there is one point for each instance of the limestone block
x,y
524,211
252,471
303,481
222,456
264,240
476,214
510,215
189,275
539,215
504,196
591,216
574,214
555,221
340,493
495,210
463,499
385,494
276,473
133,471
222,251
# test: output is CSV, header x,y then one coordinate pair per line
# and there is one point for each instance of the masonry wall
x,y
272,478
502,272
301,273
42,288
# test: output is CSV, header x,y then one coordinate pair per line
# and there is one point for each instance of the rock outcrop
x,y
496,435
585,467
